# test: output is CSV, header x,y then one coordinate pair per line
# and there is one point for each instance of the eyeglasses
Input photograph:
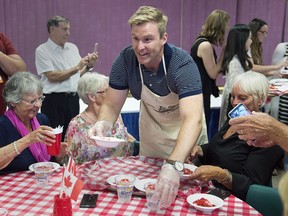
x,y
102,92
33,102
264,33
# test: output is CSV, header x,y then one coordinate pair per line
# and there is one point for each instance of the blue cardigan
x,y
9,134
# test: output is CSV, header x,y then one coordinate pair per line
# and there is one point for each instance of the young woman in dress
x,y
235,61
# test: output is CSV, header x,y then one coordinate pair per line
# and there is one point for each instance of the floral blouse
x,y
83,148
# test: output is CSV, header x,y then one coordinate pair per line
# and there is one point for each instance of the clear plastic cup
x,y
42,173
149,190
125,185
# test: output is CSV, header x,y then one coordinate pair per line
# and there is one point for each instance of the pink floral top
x,y
83,148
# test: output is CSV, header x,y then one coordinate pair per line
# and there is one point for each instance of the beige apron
x,y
160,122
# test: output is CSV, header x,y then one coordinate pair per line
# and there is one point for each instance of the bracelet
x,y
228,178
15,148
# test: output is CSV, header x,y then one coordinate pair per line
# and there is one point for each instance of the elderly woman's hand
x,y
63,150
196,151
207,173
43,134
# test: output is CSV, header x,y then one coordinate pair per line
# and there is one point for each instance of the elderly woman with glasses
x,y
24,132
92,89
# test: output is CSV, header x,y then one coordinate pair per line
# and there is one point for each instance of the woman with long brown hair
x,y
203,53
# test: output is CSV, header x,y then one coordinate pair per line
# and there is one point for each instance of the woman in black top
x,y
203,53
228,161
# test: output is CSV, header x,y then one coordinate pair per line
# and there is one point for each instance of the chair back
x,y
265,200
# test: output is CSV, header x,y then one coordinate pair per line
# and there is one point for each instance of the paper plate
x,y
211,198
139,184
55,165
278,81
191,167
111,180
108,142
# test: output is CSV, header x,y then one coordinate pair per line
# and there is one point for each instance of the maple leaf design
x,y
67,181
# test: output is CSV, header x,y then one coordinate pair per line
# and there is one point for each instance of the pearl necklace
x,y
89,116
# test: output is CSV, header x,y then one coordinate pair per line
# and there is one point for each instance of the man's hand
x,y
101,128
256,129
92,58
167,186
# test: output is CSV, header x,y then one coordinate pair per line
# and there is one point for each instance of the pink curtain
x,y
105,22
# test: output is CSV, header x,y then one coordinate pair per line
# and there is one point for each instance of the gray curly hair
x,y
19,85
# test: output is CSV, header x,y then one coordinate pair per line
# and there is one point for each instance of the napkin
x,y
58,130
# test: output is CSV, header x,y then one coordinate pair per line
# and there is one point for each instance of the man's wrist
x,y
177,165
76,69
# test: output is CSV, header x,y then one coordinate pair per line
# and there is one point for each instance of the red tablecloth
x,y
21,196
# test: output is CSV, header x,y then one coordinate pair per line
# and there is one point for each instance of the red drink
x,y
54,149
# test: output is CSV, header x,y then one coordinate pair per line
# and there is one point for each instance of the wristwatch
x,y
89,68
178,165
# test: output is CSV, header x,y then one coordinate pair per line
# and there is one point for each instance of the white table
x,y
132,105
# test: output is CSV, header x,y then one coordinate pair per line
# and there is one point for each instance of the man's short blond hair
x,y
146,14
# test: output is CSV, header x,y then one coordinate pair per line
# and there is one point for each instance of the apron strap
x,y
165,71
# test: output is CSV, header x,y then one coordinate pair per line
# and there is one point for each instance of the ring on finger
x,y
241,132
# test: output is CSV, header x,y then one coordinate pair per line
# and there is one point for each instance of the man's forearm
x,y
186,140
59,76
107,113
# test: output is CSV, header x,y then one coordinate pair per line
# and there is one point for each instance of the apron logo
x,y
168,109
163,109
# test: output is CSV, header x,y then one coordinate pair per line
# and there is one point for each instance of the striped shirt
x,y
182,74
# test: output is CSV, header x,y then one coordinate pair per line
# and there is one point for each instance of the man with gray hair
x,y
60,66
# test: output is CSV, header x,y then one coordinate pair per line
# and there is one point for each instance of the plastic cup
x,y
54,149
149,190
42,173
125,185
62,206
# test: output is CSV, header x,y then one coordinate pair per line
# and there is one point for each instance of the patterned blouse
x,y
83,148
